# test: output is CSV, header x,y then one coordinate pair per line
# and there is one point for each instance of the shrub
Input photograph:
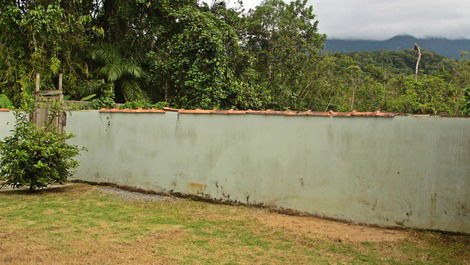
x,y
102,103
5,101
143,104
35,157
106,101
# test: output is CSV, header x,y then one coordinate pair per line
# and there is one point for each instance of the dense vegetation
x,y
191,55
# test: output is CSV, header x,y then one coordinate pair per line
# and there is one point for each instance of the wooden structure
x,y
44,99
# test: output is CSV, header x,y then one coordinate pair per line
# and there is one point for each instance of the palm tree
x,y
122,72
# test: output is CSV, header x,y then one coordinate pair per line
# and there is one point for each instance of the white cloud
x,y
381,19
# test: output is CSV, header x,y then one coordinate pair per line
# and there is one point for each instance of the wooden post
x,y
61,96
38,81
60,82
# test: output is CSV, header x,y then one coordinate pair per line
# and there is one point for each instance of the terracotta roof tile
x,y
265,112
257,112
132,111
228,112
317,113
340,114
170,109
291,113
268,112
195,111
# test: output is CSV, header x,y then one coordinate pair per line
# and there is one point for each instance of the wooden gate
x,y
43,115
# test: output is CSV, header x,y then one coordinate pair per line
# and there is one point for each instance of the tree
x,y
41,37
121,72
195,60
285,41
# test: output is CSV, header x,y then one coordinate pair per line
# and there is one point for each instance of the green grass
x,y
82,225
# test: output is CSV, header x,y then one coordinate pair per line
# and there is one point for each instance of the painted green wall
x,y
6,123
402,171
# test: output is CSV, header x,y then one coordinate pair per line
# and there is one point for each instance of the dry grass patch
x,y
330,230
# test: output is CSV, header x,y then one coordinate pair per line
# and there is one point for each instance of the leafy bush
x,y
143,104
104,102
35,157
5,101
161,105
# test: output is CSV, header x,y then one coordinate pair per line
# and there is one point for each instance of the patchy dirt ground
x,y
321,228
83,224
306,226
134,196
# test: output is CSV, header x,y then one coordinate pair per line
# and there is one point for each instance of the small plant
x,y
137,104
161,105
35,157
143,104
104,102
89,97
5,101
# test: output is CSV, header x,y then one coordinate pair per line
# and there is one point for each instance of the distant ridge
x,y
446,47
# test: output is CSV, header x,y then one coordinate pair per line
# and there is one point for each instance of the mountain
x,y
447,47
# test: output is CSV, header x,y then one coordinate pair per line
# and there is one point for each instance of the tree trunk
x,y
418,49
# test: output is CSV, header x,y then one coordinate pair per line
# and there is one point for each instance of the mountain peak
x,y
403,38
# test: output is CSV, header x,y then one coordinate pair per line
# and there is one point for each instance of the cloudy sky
x,y
382,19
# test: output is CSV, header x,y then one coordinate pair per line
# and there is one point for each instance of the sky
x,y
383,19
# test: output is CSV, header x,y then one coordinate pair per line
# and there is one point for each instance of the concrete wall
x,y
6,123
402,171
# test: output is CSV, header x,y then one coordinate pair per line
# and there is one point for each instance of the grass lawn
x,y
83,224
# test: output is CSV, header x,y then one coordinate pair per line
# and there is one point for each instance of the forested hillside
x,y
190,55
404,62
446,47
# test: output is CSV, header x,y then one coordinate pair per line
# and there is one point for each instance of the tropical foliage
x,y
194,55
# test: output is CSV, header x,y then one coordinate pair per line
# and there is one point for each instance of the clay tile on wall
x,y
386,114
196,111
316,113
255,112
237,112
418,115
170,109
363,114
340,114
259,112
132,111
